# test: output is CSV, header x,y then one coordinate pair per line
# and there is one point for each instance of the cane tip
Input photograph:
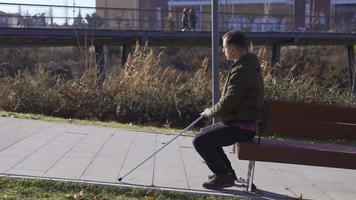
x,y
120,179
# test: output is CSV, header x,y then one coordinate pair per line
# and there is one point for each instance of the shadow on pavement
x,y
257,194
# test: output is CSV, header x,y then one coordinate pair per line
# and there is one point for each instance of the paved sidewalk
x,y
34,148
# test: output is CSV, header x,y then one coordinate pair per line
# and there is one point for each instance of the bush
x,y
145,91
142,92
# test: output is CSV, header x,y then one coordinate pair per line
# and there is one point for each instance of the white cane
x,y
181,133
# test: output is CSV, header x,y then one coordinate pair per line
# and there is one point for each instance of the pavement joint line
x,y
127,185
77,133
16,127
154,161
34,133
35,150
184,166
128,150
64,155
97,153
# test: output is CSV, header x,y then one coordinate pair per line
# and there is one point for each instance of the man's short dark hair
x,y
235,38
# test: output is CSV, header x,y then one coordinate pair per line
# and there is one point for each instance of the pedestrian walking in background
x,y
185,20
193,19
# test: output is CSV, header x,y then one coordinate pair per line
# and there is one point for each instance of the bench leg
x,y
234,148
250,173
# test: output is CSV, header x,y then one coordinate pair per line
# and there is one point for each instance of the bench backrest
x,y
308,120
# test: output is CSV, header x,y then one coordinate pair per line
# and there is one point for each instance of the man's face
x,y
228,50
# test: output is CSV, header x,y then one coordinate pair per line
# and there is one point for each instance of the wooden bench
x,y
306,121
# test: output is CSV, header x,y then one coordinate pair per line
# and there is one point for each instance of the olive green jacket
x,y
242,95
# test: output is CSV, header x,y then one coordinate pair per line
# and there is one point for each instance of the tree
x,y
94,20
37,20
78,21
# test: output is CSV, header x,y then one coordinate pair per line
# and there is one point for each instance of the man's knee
x,y
196,141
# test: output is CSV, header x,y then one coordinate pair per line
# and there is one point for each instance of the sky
x,y
58,13
90,3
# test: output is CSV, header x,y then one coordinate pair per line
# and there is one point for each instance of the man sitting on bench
x,y
239,108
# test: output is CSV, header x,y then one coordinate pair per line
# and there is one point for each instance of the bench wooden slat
x,y
307,128
317,155
308,121
310,112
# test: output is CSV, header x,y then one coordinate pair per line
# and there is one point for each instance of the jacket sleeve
x,y
236,89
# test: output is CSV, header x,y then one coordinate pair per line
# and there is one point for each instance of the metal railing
x,y
51,16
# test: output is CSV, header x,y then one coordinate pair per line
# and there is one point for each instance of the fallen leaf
x,y
78,195
149,198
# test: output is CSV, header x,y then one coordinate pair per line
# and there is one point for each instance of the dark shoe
x,y
219,182
211,177
232,173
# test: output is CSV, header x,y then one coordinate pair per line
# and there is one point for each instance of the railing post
x,y
101,62
276,53
51,13
126,49
352,66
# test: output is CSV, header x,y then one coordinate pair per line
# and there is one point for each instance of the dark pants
x,y
209,143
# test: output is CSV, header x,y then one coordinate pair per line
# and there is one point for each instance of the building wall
x,y
133,14
312,14
115,18
9,19
247,16
116,3
344,16
301,15
154,14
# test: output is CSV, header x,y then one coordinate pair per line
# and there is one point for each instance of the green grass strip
x,y
18,188
131,127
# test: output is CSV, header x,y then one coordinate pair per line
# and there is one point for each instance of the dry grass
x,y
146,91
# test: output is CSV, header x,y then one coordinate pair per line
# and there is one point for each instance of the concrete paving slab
x,y
26,172
72,164
99,154
71,174
341,195
32,165
171,183
143,176
104,169
80,154
109,160
12,125
7,161
18,134
100,178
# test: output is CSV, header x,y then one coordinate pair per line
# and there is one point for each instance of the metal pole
x,y
73,10
215,52
352,70
225,15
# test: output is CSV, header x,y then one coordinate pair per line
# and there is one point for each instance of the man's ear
x,y
233,49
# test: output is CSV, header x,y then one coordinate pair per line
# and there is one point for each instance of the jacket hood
x,y
250,60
